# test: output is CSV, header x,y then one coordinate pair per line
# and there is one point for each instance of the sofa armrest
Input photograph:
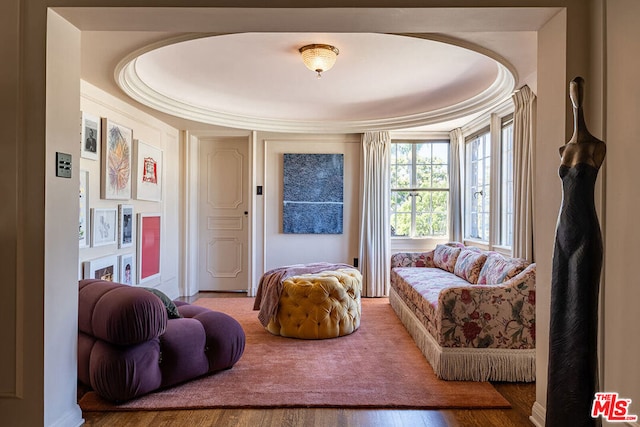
x,y
489,316
412,259
119,314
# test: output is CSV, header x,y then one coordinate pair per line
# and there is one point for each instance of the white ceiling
x,y
258,80
252,77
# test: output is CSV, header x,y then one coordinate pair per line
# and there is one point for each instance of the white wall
x,y
153,132
22,225
26,211
547,189
612,102
10,89
61,286
284,249
621,291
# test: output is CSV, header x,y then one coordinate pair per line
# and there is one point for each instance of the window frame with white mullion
x,y
492,125
505,236
477,206
496,180
415,191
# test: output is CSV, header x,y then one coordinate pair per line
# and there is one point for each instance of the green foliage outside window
x,y
419,189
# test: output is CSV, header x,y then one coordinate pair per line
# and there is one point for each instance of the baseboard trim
x,y
71,418
538,413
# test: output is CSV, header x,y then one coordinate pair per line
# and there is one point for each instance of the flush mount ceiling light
x,y
319,57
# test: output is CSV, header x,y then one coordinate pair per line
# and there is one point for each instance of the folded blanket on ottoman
x,y
270,287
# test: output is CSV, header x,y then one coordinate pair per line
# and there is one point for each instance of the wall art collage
x,y
130,169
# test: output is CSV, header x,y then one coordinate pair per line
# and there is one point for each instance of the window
x,y
488,198
419,189
478,196
506,183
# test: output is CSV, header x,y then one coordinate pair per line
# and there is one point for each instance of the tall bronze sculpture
x,y
577,263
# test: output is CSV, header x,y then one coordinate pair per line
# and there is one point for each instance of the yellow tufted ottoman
x,y
320,305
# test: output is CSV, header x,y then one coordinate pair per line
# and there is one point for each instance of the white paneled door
x,y
223,215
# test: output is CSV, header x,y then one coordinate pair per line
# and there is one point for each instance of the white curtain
x,y
375,252
456,184
524,123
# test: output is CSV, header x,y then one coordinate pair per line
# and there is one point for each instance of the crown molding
x,y
130,82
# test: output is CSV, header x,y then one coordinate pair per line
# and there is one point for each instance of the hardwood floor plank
x,y
521,396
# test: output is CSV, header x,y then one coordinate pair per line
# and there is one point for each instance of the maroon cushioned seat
x,y
120,373
119,314
182,351
225,339
127,345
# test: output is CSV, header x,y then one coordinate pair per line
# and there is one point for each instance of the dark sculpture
x,y
577,263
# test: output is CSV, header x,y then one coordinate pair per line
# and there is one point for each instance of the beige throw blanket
x,y
270,286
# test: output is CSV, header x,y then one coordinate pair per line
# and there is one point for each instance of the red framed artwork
x,y
149,234
148,179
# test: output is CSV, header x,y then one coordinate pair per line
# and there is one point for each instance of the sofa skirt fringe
x,y
466,364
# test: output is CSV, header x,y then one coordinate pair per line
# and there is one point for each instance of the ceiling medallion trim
x,y
130,82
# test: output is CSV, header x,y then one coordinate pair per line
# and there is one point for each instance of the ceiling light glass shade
x,y
319,57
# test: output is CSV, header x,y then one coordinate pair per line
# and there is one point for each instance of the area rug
x,y
378,366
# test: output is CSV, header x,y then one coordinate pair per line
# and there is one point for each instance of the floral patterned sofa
x,y
471,312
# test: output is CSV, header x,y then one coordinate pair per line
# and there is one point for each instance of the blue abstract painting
x,y
313,193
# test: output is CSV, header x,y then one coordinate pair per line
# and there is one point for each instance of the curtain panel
x,y
375,239
456,184
524,124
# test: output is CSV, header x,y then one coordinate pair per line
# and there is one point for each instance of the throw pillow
x,y
444,257
455,245
469,264
498,269
172,309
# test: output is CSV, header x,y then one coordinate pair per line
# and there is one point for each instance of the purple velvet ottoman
x,y
131,342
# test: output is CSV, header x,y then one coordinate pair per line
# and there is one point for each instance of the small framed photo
x,y
127,269
148,176
115,179
105,268
149,234
125,226
90,136
104,226
84,230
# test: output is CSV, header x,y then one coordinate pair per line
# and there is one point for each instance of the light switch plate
x,y
63,165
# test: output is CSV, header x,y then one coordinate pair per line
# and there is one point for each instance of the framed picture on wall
x,y
115,178
313,191
104,226
127,269
148,176
105,268
89,136
84,230
125,226
149,235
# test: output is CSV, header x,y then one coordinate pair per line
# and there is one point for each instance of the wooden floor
x,y
520,395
